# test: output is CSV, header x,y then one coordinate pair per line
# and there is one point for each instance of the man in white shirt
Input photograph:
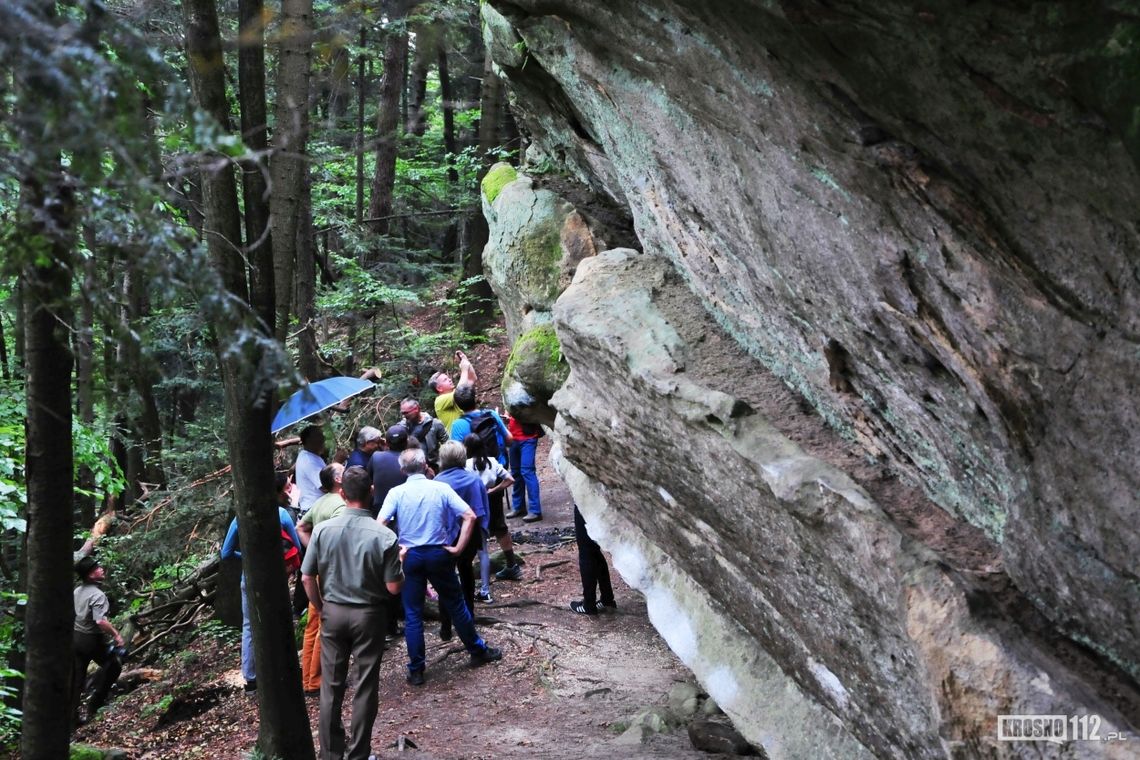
x,y
310,462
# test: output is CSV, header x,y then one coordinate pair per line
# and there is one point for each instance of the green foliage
x,y
13,496
358,291
224,635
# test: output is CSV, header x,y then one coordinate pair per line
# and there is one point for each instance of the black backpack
x,y
483,424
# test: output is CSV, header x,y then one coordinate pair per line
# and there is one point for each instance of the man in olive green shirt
x,y
357,561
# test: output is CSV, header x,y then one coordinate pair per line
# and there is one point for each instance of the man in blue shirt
x,y
469,487
230,550
367,443
425,512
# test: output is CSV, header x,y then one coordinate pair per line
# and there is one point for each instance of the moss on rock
x,y
498,176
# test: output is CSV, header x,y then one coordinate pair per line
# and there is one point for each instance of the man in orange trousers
x,y
328,506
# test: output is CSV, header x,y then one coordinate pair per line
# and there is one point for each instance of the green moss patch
x,y
498,176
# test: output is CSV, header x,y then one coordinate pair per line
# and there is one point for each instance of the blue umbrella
x,y
316,397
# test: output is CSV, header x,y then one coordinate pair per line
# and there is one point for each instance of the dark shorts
x,y
498,523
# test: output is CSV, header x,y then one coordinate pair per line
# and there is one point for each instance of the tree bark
x,y
447,104
427,43
46,219
50,614
255,133
360,96
248,379
479,308
307,359
291,129
388,122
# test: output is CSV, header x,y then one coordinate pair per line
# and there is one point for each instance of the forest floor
x,y
566,687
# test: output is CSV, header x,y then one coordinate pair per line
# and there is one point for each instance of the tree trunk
x,y
248,381
255,133
50,614
307,360
479,308
388,122
5,372
448,106
360,93
46,219
291,131
427,42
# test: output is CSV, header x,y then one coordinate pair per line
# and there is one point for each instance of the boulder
x,y
915,226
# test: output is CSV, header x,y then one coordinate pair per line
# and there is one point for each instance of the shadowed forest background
x,y
202,204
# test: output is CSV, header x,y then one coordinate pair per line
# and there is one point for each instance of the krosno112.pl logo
x,y
1055,728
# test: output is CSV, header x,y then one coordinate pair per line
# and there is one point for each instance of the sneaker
x,y
517,513
608,605
489,654
532,517
251,686
582,609
445,633
415,677
484,597
512,573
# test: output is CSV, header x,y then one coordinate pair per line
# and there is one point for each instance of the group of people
x,y
413,506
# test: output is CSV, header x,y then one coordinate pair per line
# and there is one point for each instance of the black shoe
x,y
516,513
415,677
582,609
608,605
445,633
489,654
251,686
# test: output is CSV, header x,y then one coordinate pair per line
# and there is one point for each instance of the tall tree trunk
x,y
427,43
360,96
388,122
255,133
479,308
50,614
291,129
5,371
306,285
143,377
46,220
448,106
247,379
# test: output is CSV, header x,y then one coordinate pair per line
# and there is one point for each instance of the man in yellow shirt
x,y
445,409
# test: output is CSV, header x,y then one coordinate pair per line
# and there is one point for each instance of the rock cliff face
x,y
916,224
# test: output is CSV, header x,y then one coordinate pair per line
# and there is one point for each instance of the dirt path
x,y
563,689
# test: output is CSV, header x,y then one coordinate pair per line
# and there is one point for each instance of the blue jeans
x,y
435,564
247,669
524,493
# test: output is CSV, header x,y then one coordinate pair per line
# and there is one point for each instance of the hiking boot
x,y
251,686
582,609
511,573
517,513
415,678
445,633
532,518
484,597
489,654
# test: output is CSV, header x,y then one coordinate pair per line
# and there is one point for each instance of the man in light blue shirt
x,y
425,512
